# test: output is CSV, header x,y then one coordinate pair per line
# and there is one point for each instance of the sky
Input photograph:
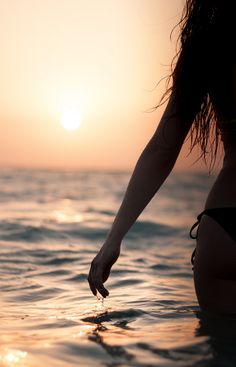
x,y
94,61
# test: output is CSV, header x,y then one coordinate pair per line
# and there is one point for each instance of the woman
x,y
202,103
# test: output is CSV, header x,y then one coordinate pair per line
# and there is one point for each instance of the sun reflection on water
x,y
67,216
11,357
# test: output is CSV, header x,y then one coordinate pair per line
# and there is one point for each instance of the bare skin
x,y
215,260
214,268
215,264
154,165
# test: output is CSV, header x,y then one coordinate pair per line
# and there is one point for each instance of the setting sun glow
x,y
85,74
70,119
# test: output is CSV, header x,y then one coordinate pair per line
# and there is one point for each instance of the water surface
x,y
52,224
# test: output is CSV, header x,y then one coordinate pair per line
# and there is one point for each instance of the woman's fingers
x,y
101,289
91,285
95,281
101,267
91,280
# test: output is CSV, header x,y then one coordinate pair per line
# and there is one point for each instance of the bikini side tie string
x,y
196,224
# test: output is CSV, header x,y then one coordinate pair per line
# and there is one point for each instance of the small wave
x,y
183,353
114,315
43,294
151,229
58,324
127,282
54,273
60,260
10,288
78,278
13,231
181,274
16,231
164,267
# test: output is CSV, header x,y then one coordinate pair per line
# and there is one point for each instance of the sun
x,y
70,119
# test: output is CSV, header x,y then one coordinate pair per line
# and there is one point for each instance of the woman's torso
x,y
223,192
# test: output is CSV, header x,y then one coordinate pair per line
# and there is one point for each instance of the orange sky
x,y
100,57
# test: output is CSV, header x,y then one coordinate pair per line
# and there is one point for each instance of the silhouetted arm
x,y
151,170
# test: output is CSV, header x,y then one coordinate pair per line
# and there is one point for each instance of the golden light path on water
x,y
12,357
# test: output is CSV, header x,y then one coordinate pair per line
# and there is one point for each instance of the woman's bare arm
x,y
151,170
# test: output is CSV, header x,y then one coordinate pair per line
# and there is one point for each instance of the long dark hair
x,y
200,71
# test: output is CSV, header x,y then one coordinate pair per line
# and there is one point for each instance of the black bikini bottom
x,y
225,217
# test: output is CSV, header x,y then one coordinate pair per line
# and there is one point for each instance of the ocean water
x,y
52,224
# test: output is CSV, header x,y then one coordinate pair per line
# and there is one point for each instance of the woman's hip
x,y
215,267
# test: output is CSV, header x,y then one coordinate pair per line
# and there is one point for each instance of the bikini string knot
x,y
194,236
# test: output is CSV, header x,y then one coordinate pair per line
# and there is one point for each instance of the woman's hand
x,y
101,267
